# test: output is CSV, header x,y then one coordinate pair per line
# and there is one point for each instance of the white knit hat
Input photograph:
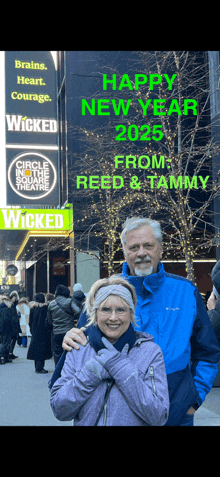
x,y
77,287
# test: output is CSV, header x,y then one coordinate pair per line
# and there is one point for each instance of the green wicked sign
x,y
36,219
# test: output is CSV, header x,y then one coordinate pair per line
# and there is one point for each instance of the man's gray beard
x,y
143,273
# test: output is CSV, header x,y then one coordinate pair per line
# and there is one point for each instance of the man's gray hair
x,y
136,223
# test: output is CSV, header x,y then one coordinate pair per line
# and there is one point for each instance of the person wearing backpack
x,y
61,317
79,298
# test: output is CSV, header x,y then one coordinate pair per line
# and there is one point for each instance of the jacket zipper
x,y
105,415
152,379
105,406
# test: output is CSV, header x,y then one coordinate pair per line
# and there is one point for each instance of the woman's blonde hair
x,y
91,306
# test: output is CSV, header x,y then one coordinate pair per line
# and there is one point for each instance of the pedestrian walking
x,y
24,310
78,298
213,303
119,378
14,297
60,316
48,298
40,346
171,309
6,328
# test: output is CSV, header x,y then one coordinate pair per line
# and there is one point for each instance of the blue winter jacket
x,y
170,308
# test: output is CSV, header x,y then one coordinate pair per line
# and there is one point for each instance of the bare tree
x,y
165,149
174,176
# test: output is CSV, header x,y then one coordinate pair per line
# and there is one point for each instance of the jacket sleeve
x,y
214,316
72,389
74,307
146,394
205,351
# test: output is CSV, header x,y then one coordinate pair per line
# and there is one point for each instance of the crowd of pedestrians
x,y
45,320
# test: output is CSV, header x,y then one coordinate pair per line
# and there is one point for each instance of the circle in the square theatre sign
x,y
32,175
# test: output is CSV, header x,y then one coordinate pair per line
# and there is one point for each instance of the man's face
x,y
142,251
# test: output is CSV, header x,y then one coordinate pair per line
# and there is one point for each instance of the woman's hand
x,y
109,355
97,369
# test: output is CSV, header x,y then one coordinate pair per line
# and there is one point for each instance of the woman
x,y
119,377
40,347
24,310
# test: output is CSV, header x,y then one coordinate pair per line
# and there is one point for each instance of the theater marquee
x,y
31,129
42,220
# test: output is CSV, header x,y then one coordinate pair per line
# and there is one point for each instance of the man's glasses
x,y
120,310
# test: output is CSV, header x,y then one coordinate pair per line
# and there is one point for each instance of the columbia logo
x,y
172,309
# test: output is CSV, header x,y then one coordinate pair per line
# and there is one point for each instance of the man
x,y
6,328
213,303
170,308
14,297
60,317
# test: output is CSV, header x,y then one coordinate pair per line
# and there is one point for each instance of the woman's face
x,y
113,317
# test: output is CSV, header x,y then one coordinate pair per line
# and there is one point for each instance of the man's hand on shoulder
x,y
72,337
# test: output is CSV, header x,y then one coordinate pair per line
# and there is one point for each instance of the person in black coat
x,y
14,297
40,346
6,328
213,303
79,299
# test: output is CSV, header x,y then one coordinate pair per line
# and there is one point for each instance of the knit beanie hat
x,y
62,290
78,287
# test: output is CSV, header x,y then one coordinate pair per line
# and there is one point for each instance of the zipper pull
x,y
152,379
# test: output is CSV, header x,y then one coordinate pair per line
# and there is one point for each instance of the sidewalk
x,y
25,397
24,394
209,413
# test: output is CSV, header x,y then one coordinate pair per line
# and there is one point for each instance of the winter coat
x,y
79,299
6,327
170,308
15,320
24,310
138,397
40,346
61,314
214,314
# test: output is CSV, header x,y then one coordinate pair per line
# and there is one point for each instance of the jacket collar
x,y
151,282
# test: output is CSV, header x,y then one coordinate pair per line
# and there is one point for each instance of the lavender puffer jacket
x,y
139,396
